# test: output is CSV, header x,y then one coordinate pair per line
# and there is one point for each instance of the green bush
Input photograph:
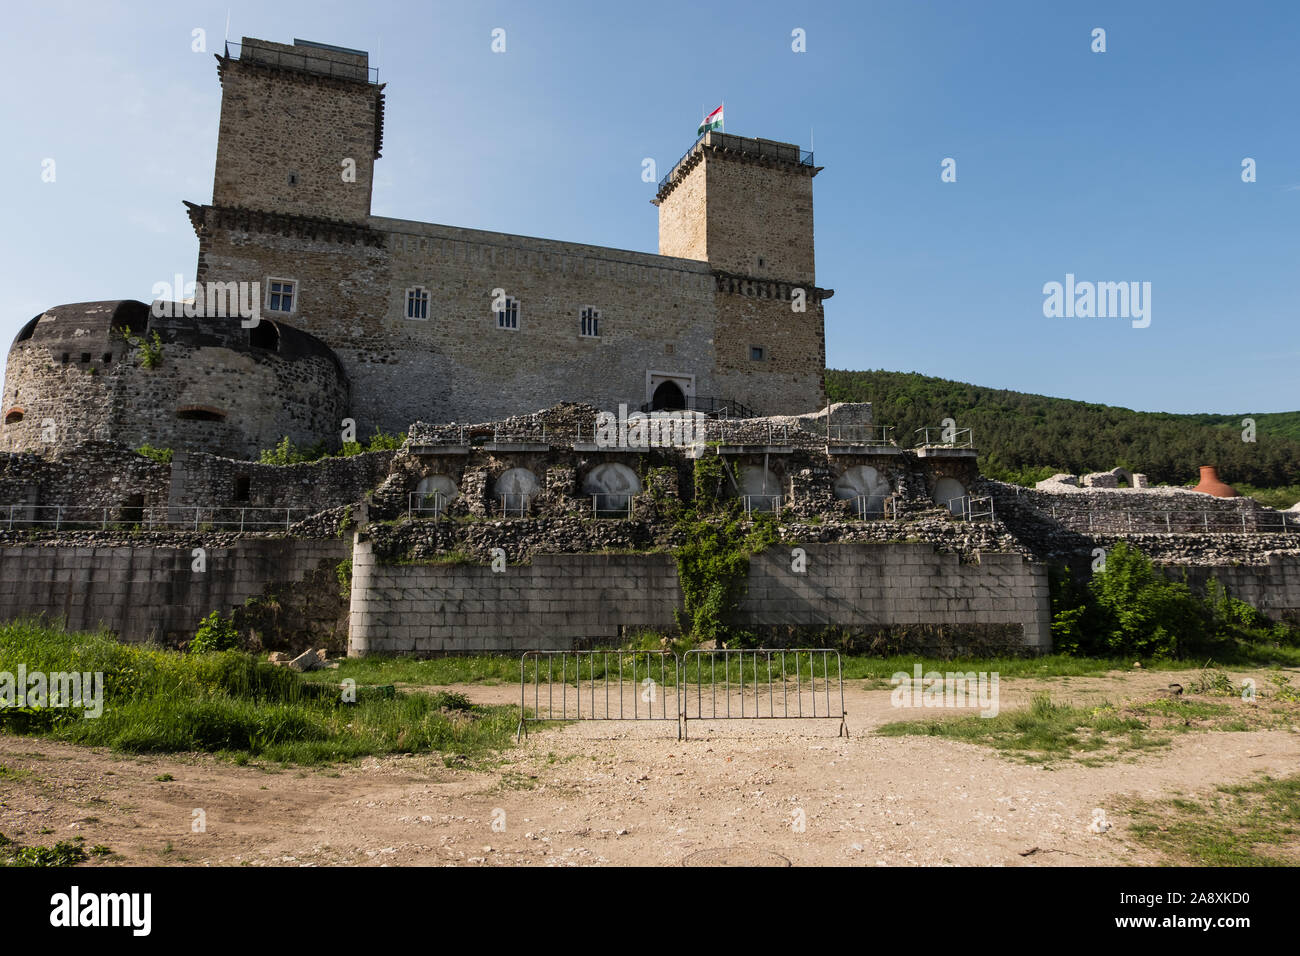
x,y
215,633
1131,609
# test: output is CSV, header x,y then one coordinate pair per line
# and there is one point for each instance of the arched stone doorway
x,y
668,397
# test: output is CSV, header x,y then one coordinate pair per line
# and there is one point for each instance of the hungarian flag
x,y
712,121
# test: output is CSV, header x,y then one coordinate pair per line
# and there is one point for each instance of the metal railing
x,y
947,438
514,506
1176,521
873,435
707,405
610,685
768,690
743,684
58,517
805,156
971,508
861,507
611,506
420,504
764,504
320,65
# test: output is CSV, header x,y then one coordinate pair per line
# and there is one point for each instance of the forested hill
x,y
1024,437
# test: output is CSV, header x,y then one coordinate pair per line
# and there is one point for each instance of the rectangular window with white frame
x,y
589,322
508,315
417,303
281,295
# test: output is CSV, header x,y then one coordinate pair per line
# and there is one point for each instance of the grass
x,y
161,701
63,853
1047,730
1041,732
1255,824
494,669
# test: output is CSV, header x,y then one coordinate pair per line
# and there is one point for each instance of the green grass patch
x,y
161,701
1255,824
63,853
1041,732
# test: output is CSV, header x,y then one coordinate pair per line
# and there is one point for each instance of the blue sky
x,y
1115,166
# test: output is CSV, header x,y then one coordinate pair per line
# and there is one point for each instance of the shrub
x,y
215,633
161,455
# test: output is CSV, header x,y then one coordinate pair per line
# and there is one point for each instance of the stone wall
x,y
150,593
1273,586
866,588
73,378
571,600
556,601
210,481
287,126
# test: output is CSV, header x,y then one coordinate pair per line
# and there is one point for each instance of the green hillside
x,y
1024,437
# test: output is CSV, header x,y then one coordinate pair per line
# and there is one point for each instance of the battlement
x,y
304,56
739,147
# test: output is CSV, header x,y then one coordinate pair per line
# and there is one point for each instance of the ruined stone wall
x,y
98,479
211,481
1124,510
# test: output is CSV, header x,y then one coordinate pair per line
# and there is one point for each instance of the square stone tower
x,y
745,207
301,128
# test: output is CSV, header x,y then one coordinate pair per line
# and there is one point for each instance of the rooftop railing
x,y
755,147
306,62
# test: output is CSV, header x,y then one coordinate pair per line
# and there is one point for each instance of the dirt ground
x,y
613,793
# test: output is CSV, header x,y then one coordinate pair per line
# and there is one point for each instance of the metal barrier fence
x,y
742,684
635,687
730,698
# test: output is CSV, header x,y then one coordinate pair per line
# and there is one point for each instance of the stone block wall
x,y
556,601
870,587
571,600
144,593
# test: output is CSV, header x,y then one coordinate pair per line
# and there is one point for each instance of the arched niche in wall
x,y
613,485
515,489
434,492
760,486
863,481
949,492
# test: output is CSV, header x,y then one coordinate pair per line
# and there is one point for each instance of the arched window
x,y
200,413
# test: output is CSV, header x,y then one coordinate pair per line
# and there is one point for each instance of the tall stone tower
x,y
745,207
301,128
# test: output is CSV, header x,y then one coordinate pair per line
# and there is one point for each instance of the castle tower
x,y
301,128
745,207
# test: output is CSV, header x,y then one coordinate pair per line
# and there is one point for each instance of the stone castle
x,y
497,354
390,321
